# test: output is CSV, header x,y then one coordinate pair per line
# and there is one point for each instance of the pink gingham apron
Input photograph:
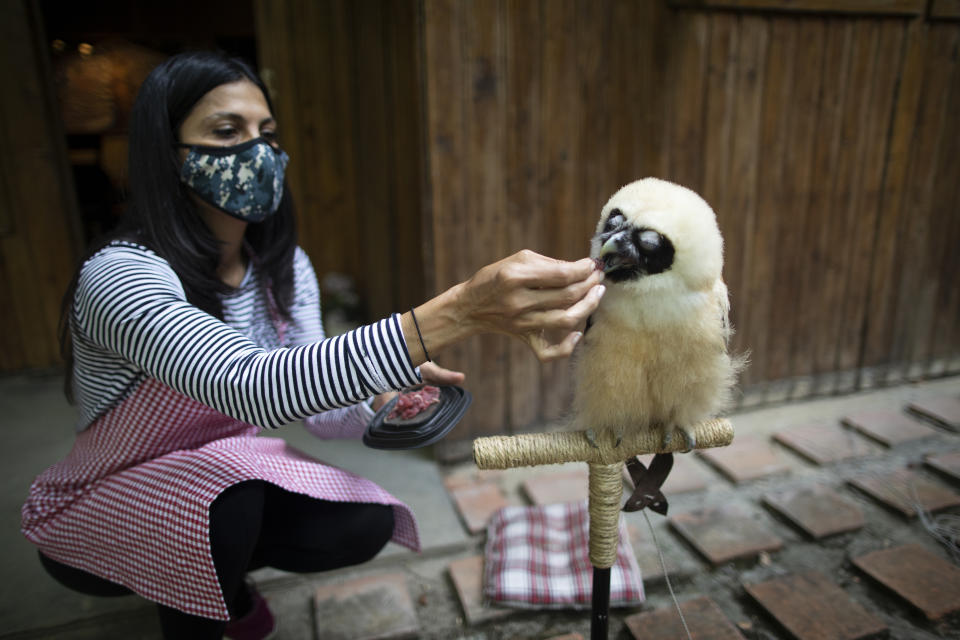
x,y
131,501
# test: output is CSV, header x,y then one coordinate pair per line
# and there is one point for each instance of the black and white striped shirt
x,y
131,320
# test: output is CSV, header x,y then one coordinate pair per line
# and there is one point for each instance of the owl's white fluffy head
x,y
684,222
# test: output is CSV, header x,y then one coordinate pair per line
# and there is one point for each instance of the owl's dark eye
x,y
655,249
650,241
614,220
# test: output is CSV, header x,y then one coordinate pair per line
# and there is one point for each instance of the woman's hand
x,y
530,296
381,399
431,374
435,374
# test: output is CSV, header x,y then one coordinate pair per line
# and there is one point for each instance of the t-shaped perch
x,y
606,482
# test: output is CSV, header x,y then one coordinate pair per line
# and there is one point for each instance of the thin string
x,y
666,576
420,335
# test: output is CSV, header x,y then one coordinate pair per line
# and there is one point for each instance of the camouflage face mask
x,y
244,181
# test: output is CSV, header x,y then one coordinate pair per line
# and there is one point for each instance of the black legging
x,y
255,524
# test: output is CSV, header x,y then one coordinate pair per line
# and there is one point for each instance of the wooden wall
x,y
344,81
38,219
827,144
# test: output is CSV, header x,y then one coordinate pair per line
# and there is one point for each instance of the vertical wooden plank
x,y
823,236
443,61
884,292
599,134
344,80
525,217
720,110
862,205
789,322
774,126
559,165
686,88
721,117
653,26
305,50
945,334
628,101
301,116
375,218
334,148
406,152
930,224
484,109
276,61
445,91
917,286
742,190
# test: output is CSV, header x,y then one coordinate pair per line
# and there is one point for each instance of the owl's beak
x,y
618,251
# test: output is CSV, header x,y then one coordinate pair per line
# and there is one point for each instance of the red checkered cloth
x,y
539,557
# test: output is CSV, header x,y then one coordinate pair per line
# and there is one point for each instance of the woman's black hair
x,y
160,214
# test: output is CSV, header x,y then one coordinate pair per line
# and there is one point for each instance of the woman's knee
x,y
80,580
376,528
327,535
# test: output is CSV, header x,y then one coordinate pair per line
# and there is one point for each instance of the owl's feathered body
x,y
655,353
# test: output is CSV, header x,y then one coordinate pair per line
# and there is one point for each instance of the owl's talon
x,y
592,438
691,441
667,439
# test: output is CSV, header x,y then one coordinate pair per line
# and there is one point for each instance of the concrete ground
x,y
37,428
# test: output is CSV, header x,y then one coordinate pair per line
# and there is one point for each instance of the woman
x,y
197,324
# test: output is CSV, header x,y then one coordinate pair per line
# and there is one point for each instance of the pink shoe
x,y
256,625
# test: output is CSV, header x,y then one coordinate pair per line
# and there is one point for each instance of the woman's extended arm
x,y
131,318
306,326
131,315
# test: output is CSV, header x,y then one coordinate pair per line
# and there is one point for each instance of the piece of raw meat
x,y
412,403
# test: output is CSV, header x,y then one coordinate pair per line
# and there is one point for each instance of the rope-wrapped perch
x,y
534,449
606,489
606,460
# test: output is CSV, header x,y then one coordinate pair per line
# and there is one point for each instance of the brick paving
x,y
704,619
467,577
943,410
679,564
918,576
818,511
825,443
759,544
559,487
947,464
477,502
377,607
747,459
906,491
718,522
726,533
889,428
811,607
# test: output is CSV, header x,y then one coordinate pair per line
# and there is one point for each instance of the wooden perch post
x,y
606,483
